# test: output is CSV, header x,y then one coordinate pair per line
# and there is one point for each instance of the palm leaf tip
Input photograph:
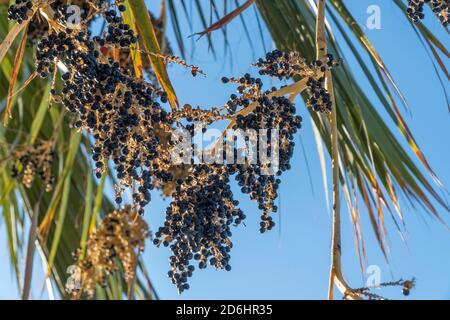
x,y
369,149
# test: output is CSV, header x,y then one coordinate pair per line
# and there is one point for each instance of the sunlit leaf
x,y
147,32
15,73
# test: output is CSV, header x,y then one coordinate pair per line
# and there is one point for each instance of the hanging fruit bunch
x,y
132,129
35,161
116,244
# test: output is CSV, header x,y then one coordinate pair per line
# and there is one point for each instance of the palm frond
x,y
62,212
369,150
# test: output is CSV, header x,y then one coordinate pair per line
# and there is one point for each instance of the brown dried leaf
x,y
225,20
15,73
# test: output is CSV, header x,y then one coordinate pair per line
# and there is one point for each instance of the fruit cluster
x,y
258,180
198,222
285,65
20,11
441,8
116,243
256,110
121,112
35,160
199,218
38,26
132,129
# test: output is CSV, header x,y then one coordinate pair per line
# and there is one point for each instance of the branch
x,y
336,277
292,90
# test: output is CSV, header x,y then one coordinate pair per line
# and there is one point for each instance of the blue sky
x,y
292,261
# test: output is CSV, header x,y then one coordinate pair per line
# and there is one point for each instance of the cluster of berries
x,y
199,218
38,27
130,127
32,161
319,97
116,244
20,11
119,33
198,222
126,54
285,65
258,180
441,8
121,112
415,9
260,112
248,88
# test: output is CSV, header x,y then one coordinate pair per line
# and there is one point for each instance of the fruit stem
x,y
336,277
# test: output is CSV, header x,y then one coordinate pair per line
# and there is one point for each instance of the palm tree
x,y
368,160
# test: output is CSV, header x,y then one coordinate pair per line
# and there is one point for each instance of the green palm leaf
x,y
61,212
